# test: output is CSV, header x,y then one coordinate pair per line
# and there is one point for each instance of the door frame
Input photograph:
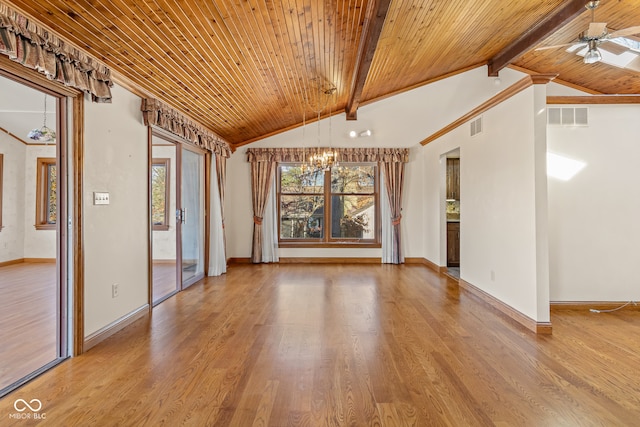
x,y
69,104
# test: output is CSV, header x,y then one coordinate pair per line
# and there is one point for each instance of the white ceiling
x,y
22,109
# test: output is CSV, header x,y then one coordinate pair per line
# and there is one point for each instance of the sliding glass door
x,y
177,189
192,216
33,251
163,177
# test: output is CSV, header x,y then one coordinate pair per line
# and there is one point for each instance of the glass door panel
x,y
163,219
192,216
32,255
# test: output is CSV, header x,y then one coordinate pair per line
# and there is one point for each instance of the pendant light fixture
x,y
323,159
43,134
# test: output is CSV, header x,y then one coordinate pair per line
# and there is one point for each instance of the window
x,y
160,193
339,206
46,194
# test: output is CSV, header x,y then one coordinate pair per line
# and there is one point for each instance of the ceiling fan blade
x,y
625,32
596,29
614,48
557,46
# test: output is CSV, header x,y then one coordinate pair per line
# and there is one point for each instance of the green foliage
x,y
52,191
158,193
353,226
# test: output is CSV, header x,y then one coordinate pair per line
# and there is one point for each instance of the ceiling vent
x,y
568,116
476,126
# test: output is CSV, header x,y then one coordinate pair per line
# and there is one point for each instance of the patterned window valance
x,y
387,155
34,47
155,113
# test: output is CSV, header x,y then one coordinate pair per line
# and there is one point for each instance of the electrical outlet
x,y
493,275
114,290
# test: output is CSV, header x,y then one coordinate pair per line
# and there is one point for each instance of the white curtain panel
x,y
387,228
217,255
270,227
193,202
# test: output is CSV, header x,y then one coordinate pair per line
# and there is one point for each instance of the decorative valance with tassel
x,y
354,155
31,45
155,113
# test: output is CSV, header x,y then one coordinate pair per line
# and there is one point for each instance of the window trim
x,y
166,162
327,241
42,193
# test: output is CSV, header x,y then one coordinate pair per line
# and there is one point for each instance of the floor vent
x,y
476,126
568,116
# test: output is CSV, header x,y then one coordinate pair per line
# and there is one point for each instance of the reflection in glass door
x,y
163,219
33,190
192,216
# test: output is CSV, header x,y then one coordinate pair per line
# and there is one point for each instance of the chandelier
x,y
320,159
43,134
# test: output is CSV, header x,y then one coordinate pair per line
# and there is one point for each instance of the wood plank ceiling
x,y
251,68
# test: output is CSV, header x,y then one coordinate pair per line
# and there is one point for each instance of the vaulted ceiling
x,y
251,68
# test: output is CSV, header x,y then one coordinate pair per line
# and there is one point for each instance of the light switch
x,y
100,198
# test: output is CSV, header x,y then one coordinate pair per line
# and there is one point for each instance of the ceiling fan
x,y
595,35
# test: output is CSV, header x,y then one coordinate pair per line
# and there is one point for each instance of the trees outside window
x,y
46,194
160,193
337,206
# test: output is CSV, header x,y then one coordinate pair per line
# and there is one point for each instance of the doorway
x,y
33,249
177,199
452,203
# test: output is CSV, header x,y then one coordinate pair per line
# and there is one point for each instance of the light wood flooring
x,y
338,345
28,319
164,280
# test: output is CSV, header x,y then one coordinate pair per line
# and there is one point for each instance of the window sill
x,y
334,245
160,228
45,226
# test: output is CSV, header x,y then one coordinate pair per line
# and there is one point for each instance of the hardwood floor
x,y
28,319
164,279
357,345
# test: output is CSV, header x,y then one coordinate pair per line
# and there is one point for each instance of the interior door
x,y
191,215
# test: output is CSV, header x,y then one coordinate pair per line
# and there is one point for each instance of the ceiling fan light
x,y
593,55
592,4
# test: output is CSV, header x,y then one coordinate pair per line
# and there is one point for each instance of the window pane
x,y
301,217
52,196
292,180
158,193
353,179
353,217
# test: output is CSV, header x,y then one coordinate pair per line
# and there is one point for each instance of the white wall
x,y
115,235
19,237
37,243
399,121
13,213
498,236
593,218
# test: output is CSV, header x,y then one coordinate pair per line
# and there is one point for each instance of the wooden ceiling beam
x,y
549,25
595,99
368,44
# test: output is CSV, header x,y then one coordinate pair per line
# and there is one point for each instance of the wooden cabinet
x,y
453,179
453,244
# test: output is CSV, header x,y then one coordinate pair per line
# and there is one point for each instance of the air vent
x,y
568,116
476,126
